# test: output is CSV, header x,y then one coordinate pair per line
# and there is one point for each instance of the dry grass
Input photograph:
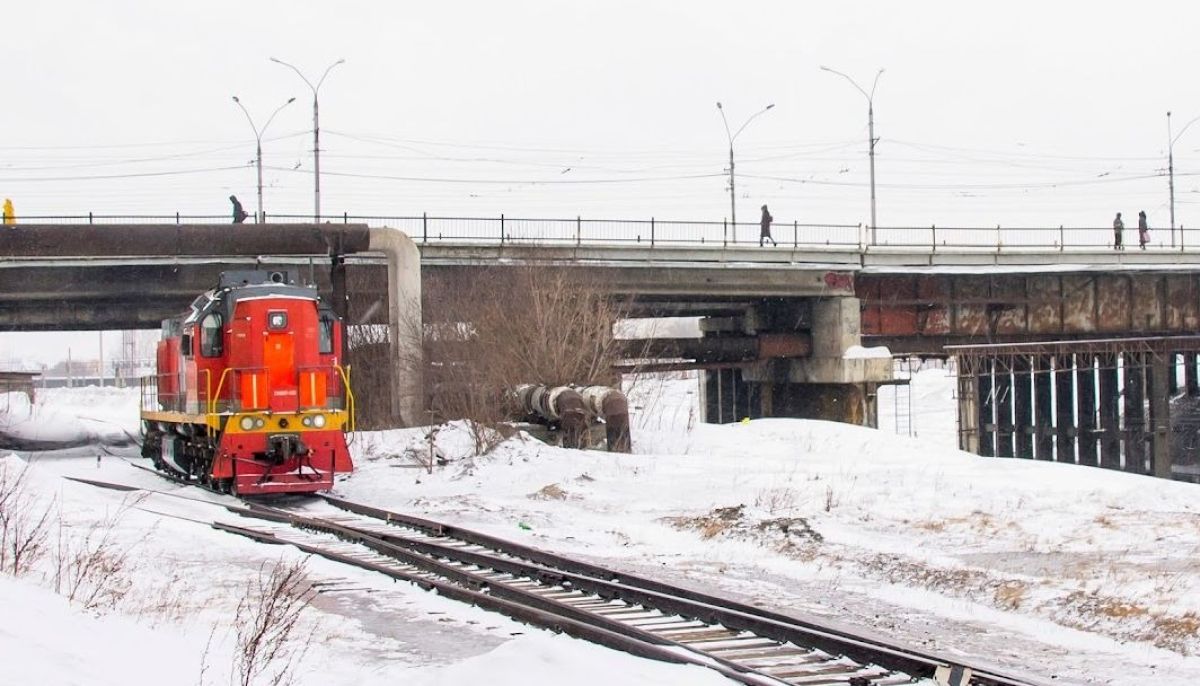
x,y
549,492
93,569
1011,595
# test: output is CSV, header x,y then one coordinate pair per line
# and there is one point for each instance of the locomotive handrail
x,y
214,398
208,395
345,373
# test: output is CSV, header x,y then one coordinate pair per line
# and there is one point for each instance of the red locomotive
x,y
250,396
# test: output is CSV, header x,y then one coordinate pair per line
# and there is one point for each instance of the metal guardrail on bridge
x,y
654,232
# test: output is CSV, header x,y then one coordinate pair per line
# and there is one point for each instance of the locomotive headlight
x,y
259,422
247,423
307,421
318,421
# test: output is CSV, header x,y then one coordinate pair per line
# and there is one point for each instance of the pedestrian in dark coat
x,y
765,223
1143,230
239,215
1118,227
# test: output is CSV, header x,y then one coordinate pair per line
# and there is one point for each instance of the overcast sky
x,y
1015,113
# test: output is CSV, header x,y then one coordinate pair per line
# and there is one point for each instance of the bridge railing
x,y
654,232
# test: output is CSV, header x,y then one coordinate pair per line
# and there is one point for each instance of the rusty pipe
x,y
612,406
560,405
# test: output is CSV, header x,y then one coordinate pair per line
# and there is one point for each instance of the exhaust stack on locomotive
x,y
251,396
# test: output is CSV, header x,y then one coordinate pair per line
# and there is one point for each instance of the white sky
x,y
1023,113
1019,113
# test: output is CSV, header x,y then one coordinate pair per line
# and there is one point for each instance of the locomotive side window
x,y
185,343
325,334
211,342
277,320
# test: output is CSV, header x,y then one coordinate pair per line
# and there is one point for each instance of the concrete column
x,y
1004,409
1160,418
987,409
1064,410
1085,378
968,411
1189,375
1022,407
1110,413
1043,409
1134,433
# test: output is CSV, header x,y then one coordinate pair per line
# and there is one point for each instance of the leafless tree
x,y
486,330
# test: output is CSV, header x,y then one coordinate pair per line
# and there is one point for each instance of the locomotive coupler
x,y
282,447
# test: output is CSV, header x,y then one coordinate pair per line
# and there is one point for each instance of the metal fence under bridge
x,y
652,232
1102,403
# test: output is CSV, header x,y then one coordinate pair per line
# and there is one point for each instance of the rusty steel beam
x,y
977,307
720,348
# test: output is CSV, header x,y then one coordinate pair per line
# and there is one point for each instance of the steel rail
x,y
741,638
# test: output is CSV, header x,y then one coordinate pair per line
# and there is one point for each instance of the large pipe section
x,y
404,320
561,405
610,405
572,409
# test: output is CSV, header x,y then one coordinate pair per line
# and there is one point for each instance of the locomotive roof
x,y
224,298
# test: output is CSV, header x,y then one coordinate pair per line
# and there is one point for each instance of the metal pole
x,y
1171,175
871,136
732,137
316,162
316,131
871,140
258,217
258,134
732,195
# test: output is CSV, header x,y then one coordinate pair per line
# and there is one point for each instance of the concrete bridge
x,y
777,322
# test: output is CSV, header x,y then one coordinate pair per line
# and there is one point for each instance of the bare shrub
x,y
269,646
92,569
776,499
491,329
24,522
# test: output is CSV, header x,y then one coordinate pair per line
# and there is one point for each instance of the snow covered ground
x,y
1069,574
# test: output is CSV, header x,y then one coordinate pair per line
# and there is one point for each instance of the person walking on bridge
x,y
765,223
1118,227
1143,230
239,215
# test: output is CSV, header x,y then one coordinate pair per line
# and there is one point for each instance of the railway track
x,y
638,615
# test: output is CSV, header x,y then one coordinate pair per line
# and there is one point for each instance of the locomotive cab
x,y
250,395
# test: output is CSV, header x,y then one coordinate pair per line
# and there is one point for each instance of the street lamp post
x,y
316,132
1171,168
871,139
732,137
258,134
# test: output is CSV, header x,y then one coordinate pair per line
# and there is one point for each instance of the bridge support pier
x,y
836,382
1134,367
1100,403
1189,375
1022,408
1085,377
1004,411
1043,428
987,410
1110,413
